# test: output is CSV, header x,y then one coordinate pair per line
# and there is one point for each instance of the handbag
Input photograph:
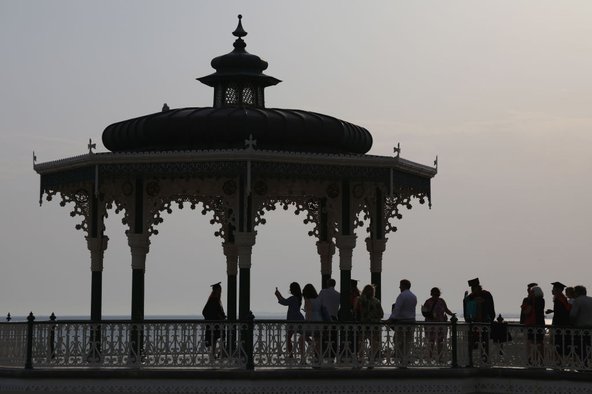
x,y
428,313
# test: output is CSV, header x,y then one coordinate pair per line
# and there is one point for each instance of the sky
x,y
499,90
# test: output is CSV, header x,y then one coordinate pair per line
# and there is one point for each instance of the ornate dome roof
x,y
229,127
238,113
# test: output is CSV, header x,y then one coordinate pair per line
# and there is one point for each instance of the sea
x,y
508,317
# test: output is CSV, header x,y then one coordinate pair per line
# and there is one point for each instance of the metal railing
x,y
199,344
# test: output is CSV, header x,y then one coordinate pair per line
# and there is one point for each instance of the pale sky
x,y
500,90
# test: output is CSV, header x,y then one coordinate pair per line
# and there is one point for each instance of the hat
x,y
474,282
215,285
559,285
531,285
353,282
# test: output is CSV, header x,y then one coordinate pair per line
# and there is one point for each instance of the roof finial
x,y
239,31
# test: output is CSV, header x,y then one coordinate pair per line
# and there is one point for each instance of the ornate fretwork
x,y
394,203
217,205
308,205
163,195
80,198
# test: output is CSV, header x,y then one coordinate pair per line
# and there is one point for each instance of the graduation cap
x,y
215,285
531,285
353,282
559,285
474,282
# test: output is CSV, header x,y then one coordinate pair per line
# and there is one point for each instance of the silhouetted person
x,y
533,310
403,312
560,311
313,313
330,299
213,311
370,311
435,310
581,317
478,308
525,301
294,302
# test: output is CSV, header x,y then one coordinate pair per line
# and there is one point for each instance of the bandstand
x,y
237,160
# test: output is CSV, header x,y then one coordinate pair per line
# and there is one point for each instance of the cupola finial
x,y
239,31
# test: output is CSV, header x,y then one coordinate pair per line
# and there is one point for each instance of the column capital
x,y
242,239
376,245
376,248
231,253
139,246
346,245
326,250
97,247
345,241
244,242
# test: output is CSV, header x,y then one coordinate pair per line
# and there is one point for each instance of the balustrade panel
x,y
13,344
152,344
179,344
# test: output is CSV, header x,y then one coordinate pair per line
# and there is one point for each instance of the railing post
x,y
454,340
470,340
52,329
29,360
249,340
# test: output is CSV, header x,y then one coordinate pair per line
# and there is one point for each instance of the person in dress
x,y
435,310
213,311
313,313
294,302
370,311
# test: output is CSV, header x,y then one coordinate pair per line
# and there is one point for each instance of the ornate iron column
x,y
326,251
244,242
376,243
346,245
139,246
97,247
345,242
376,248
231,253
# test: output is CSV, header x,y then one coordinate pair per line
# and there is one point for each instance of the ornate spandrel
x,y
163,195
393,205
78,197
303,195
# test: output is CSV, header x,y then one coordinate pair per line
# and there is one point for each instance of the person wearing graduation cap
x,y
560,311
478,305
213,311
478,308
